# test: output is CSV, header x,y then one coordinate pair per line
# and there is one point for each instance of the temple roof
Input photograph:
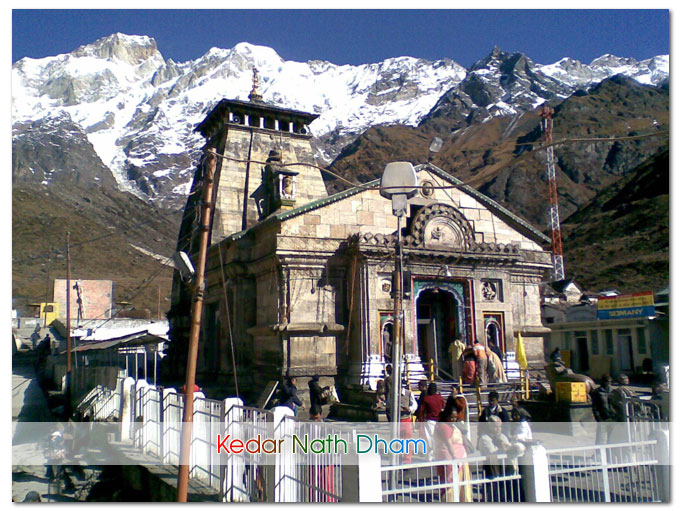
x,y
220,113
518,223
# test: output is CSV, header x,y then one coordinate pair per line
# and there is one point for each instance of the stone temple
x,y
298,282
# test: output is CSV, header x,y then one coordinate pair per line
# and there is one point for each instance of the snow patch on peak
x,y
257,53
214,52
133,50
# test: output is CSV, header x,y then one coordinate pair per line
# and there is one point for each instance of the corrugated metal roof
x,y
129,340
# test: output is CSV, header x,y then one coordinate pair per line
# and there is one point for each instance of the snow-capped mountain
x,y
509,84
138,110
651,71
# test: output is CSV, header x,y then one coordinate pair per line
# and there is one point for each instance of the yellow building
x,y
49,311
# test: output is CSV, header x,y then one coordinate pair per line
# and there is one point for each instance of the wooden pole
x,y
195,330
68,323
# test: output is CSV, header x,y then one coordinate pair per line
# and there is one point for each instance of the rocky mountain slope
x,y
103,139
605,132
114,236
621,238
503,158
138,110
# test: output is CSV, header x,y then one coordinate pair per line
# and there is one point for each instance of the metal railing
x,y
310,476
622,472
643,418
619,472
156,421
100,404
243,474
147,420
156,424
472,479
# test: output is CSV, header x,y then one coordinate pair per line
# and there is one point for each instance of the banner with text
x,y
636,305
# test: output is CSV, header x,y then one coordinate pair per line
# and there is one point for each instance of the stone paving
x,y
29,405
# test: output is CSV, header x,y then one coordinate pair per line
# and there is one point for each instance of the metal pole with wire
x,y
68,324
195,330
398,183
397,341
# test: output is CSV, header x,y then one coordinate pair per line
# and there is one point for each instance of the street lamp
x,y
398,183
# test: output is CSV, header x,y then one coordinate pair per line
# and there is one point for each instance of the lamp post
x,y
398,183
397,337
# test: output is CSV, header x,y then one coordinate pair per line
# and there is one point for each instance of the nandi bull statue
x,y
557,371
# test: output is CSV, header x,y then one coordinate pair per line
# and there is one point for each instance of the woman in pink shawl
x,y
448,445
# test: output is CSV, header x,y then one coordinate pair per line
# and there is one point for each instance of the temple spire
x,y
255,96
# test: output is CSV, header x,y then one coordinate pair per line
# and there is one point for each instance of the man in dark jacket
x,y
493,408
290,396
42,352
316,399
602,402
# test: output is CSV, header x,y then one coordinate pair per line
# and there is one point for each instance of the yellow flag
x,y
520,352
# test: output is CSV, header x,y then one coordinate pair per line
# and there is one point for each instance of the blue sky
x,y
356,36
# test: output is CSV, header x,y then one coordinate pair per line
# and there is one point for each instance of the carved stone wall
x,y
322,276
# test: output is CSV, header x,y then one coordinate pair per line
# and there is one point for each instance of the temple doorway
x,y
437,326
494,330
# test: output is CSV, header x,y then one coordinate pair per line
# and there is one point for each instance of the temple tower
x,y
256,177
246,132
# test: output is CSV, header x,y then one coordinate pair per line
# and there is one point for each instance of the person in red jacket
x,y
429,412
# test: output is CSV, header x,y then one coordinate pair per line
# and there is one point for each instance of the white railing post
x,y
361,478
456,492
604,471
197,456
200,465
233,487
141,418
662,467
127,403
172,426
285,480
534,470
166,422
161,448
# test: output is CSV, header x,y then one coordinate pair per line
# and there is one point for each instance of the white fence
x,y
643,419
245,476
631,471
626,472
151,418
310,477
156,428
102,403
461,480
